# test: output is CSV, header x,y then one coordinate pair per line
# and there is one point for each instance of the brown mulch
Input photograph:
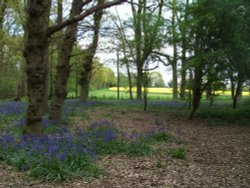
x,y
217,157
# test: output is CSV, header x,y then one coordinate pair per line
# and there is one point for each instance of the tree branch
x,y
51,30
85,2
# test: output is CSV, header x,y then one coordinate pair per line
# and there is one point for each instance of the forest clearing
x,y
217,153
125,93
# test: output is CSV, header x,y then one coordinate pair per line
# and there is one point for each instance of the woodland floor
x,y
217,156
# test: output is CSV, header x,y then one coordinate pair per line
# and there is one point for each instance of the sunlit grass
x,y
170,90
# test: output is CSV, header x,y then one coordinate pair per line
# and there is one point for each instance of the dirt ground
x,y
217,157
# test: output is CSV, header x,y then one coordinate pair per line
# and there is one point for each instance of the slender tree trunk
x,y
129,80
183,53
35,53
118,76
90,53
174,41
20,91
139,83
145,90
183,73
197,90
63,67
175,81
137,16
236,87
76,78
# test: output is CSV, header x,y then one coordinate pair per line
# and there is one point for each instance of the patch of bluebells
x,y
61,146
70,107
70,150
45,122
12,108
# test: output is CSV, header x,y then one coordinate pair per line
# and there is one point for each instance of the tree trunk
x,y
183,74
139,83
76,78
174,41
197,89
20,91
236,87
63,67
183,53
129,80
90,53
51,76
118,76
175,81
35,53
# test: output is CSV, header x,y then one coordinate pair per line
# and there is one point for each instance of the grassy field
x,y
154,94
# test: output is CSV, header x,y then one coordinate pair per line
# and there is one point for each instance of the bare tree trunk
x,y
183,53
90,53
236,87
76,78
175,81
145,91
183,73
20,91
139,83
51,76
197,89
174,62
129,80
63,67
118,76
35,53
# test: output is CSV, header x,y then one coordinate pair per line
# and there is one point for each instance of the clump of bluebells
x,y
71,153
54,157
10,111
12,108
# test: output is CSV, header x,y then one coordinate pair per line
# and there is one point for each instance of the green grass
x,y
106,94
178,153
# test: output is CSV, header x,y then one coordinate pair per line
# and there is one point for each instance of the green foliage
x,y
217,115
102,77
178,153
54,170
159,137
156,80
131,149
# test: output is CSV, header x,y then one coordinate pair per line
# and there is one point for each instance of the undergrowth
x,y
63,153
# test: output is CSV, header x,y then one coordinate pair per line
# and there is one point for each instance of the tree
x,y
89,53
35,53
156,80
146,26
37,33
63,66
102,77
174,42
183,25
205,47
